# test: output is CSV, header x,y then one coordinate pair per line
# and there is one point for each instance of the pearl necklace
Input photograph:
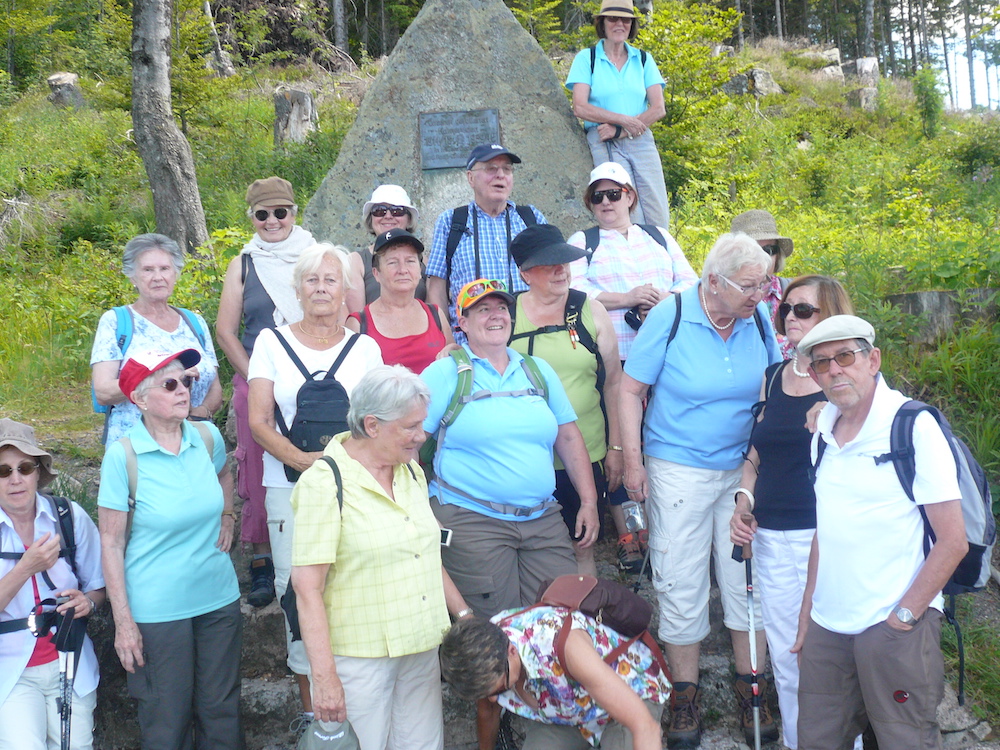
x,y
704,304
795,367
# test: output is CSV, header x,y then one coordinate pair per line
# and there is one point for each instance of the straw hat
x,y
617,8
760,225
21,436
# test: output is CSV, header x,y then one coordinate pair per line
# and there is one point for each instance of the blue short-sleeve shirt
x,y
498,449
702,387
621,91
173,570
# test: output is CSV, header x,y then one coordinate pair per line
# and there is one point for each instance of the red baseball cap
x,y
140,366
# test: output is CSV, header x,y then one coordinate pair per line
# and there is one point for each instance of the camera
x,y
633,319
634,518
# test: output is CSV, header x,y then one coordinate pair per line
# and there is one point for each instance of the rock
x,y
807,102
831,73
738,85
825,57
942,311
850,69
295,116
867,68
833,55
863,98
756,81
960,728
491,63
65,90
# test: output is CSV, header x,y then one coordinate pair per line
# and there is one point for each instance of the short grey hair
x,y
472,655
146,385
146,242
386,392
312,258
731,252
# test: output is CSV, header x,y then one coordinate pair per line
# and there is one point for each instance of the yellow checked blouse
x,y
384,594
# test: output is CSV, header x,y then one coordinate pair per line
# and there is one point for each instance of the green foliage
x,y
930,100
540,18
978,149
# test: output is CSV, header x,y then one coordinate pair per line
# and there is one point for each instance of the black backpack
x,y
459,225
320,406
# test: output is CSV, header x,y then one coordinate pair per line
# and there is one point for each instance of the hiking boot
x,y
629,555
744,699
684,731
261,582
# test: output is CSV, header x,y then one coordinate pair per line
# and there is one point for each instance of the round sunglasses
x,y
395,211
25,469
171,383
802,310
613,194
263,213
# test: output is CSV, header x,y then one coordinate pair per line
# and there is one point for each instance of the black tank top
x,y
784,490
258,308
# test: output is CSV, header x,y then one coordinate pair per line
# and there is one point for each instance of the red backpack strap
x,y
559,642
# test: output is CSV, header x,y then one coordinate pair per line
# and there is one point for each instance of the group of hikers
x,y
426,437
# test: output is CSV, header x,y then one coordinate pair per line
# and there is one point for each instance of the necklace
x,y
795,367
320,339
704,304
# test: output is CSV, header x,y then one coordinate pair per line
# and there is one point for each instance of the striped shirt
x,y
620,263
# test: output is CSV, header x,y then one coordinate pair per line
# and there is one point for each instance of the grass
x,y
978,619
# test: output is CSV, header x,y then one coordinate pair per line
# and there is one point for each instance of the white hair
x,y
731,252
386,392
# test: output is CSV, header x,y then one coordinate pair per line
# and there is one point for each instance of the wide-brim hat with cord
x,y
21,436
610,170
543,245
479,289
270,192
389,195
837,328
141,365
760,225
617,8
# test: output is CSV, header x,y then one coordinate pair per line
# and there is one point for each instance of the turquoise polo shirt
x,y
173,570
702,387
498,449
621,91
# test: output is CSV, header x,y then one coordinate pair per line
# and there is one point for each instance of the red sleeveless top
x,y
414,352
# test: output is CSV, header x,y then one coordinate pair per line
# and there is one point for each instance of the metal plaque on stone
x,y
446,138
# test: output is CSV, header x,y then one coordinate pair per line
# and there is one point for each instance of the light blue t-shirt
x,y
173,570
703,387
498,449
621,91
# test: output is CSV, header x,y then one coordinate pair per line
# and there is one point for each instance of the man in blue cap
x,y
473,241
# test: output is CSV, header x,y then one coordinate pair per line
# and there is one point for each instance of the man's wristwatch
x,y
904,615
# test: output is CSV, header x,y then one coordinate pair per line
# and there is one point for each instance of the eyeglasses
x,y
395,211
25,469
844,359
613,194
747,291
802,310
477,289
771,249
171,383
493,170
263,213
506,679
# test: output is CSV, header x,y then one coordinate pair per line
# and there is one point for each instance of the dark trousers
x,y
189,688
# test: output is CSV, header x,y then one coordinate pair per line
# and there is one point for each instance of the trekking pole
x,y
65,643
745,554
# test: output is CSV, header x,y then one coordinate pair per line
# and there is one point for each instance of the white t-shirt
x,y
870,533
271,362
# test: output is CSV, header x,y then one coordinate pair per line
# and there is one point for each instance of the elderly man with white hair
x,y
870,625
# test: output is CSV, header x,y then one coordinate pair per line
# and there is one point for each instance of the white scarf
x,y
274,262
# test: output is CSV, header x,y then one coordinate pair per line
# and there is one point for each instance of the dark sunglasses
x,y
771,249
171,383
25,469
802,310
395,211
844,359
262,214
613,194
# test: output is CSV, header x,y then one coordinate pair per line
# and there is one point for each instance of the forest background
x,y
904,198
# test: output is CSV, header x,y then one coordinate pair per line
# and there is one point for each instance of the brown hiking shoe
x,y
744,699
684,731
629,555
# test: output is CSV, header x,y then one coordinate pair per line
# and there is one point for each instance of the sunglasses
x,y
395,211
471,293
613,194
844,359
771,249
802,310
171,383
25,469
262,214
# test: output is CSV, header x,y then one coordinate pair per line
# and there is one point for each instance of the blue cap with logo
x,y
487,151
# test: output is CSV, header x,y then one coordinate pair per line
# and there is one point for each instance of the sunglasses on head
x,y
613,194
171,383
25,469
844,359
261,214
395,211
469,295
802,310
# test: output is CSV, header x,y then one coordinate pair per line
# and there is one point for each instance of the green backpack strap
x,y
534,373
132,468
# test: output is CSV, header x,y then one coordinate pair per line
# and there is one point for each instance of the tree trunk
x,y
739,27
887,34
164,150
947,64
868,30
222,63
339,24
911,22
777,20
969,54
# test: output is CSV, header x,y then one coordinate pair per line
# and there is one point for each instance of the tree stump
x,y
294,116
65,90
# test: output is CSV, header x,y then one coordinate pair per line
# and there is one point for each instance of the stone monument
x,y
462,67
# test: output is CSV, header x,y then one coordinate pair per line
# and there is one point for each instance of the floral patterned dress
x,y
561,699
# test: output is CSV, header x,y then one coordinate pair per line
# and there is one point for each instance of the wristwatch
x,y
904,615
